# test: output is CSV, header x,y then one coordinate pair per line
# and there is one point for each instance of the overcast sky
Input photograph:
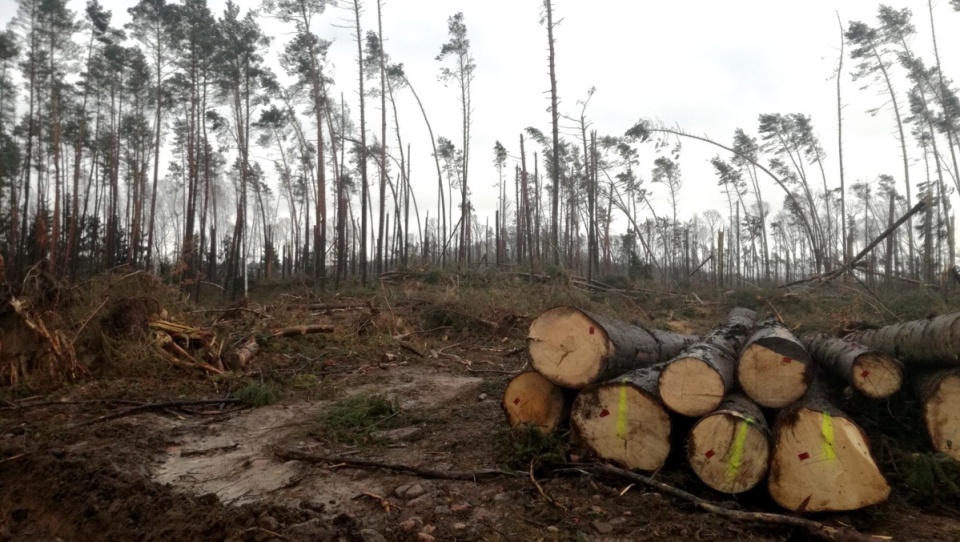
x,y
703,65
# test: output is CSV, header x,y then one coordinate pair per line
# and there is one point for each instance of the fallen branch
x,y
543,493
156,406
13,458
425,473
302,330
819,529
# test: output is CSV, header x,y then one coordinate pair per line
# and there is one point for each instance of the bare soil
x,y
212,473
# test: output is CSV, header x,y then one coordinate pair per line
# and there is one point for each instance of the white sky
x,y
705,66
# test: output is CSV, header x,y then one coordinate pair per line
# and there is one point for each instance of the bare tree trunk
x,y
555,118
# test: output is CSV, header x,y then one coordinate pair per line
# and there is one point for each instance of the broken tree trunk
x,y
240,356
821,459
934,341
873,373
623,421
940,393
775,368
695,382
532,399
729,449
574,348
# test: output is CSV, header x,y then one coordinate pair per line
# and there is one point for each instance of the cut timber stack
x,y
940,393
932,341
873,373
574,348
821,460
695,382
623,420
532,399
775,369
729,449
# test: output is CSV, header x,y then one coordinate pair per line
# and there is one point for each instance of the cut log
x,y
695,382
532,399
873,373
729,449
573,348
821,459
623,421
932,341
774,369
240,356
940,393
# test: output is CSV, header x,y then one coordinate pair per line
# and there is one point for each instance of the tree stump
x,y
729,449
873,373
573,348
821,459
775,368
695,382
623,421
940,393
532,399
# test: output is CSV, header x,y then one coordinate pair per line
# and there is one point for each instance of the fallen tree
x,y
574,348
729,449
532,399
939,392
931,341
873,373
775,368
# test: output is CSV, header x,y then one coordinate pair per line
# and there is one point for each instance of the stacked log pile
x,y
758,396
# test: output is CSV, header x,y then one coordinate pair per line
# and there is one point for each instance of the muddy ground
x,y
216,471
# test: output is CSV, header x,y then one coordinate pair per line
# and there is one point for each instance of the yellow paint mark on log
x,y
736,454
827,430
622,412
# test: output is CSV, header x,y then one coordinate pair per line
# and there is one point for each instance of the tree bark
x,y
695,382
821,460
729,449
940,393
870,371
775,368
573,348
623,420
931,341
532,399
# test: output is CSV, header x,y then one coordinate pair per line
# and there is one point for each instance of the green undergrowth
x,y
258,394
353,419
527,443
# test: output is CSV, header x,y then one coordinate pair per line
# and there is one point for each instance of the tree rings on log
x,y
692,384
940,393
774,369
623,421
573,348
532,399
729,449
930,341
871,372
821,461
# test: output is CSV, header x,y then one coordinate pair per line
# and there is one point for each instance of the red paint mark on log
x,y
865,374
804,456
516,401
710,453
591,330
786,359
604,413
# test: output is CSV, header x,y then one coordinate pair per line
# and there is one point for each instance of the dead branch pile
x,y
763,400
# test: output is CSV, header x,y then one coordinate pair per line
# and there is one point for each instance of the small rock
x,y
430,529
408,525
553,529
460,507
483,397
314,529
443,510
601,527
369,535
360,474
501,497
403,433
414,491
401,491
422,501
424,537
459,526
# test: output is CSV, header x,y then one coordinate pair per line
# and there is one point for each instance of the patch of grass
x,y
528,443
931,477
354,418
304,381
257,394
493,387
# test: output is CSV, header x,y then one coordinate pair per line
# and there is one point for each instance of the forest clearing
x,y
376,414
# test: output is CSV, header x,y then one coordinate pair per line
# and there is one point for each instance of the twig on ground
x,y
425,473
238,309
13,457
387,505
543,493
819,529
411,349
156,406
412,333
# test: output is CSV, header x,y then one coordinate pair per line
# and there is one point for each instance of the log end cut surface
x,y
822,463
691,387
942,415
623,424
877,375
728,452
567,347
531,398
772,379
